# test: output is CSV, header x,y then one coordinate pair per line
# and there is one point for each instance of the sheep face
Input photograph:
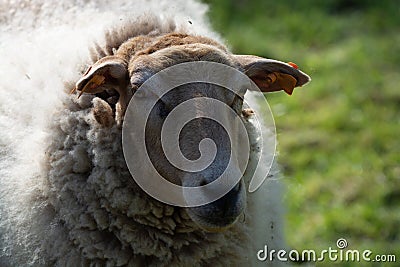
x,y
224,211
125,75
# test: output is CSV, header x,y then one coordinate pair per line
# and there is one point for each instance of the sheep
x,y
67,197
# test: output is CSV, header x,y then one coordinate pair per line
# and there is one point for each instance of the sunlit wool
x,y
96,214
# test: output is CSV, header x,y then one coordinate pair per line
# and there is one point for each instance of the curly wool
x,y
105,216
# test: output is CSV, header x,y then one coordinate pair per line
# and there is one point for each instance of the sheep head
x,y
126,76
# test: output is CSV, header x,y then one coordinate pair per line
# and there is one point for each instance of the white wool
x,y
43,45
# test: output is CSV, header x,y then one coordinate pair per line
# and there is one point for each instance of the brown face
x,y
269,75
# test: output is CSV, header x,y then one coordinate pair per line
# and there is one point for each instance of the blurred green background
x,y
338,137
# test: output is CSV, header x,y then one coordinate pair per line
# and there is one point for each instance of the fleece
x,y
66,195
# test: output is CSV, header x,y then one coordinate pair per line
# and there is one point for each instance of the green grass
x,y
339,136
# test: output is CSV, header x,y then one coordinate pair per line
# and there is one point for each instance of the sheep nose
x,y
221,212
225,205
224,201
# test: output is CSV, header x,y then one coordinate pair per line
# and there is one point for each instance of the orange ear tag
x,y
293,65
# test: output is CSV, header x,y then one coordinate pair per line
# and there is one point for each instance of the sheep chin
x,y
212,227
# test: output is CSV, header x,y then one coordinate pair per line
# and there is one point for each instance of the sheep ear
x,y
110,72
272,75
